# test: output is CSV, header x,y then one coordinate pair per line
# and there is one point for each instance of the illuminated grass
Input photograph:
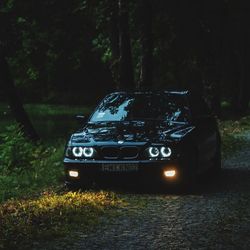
x,y
51,215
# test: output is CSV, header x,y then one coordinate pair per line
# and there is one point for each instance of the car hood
x,y
131,131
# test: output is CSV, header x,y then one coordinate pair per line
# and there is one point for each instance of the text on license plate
x,y
120,167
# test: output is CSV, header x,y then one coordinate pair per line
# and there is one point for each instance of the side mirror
x,y
81,119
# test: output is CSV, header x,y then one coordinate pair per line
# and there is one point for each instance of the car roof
x,y
170,92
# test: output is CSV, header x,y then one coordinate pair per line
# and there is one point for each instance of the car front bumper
x,y
147,170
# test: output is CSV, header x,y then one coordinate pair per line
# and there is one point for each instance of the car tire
x,y
189,178
216,168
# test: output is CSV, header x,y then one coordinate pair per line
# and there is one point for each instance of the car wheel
x,y
188,179
216,168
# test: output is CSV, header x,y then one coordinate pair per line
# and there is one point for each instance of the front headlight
x,y
153,152
83,152
166,151
77,152
88,152
159,151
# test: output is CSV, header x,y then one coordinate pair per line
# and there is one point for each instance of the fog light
x,y
73,173
170,173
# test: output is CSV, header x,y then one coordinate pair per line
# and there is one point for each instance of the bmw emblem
x,y
120,142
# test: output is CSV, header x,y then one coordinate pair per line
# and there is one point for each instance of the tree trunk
x,y
126,67
146,76
114,41
241,37
8,87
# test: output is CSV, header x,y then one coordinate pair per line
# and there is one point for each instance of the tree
x,y
114,40
146,37
8,87
239,35
126,65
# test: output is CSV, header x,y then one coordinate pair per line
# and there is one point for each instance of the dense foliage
x,y
26,168
69,51
17,154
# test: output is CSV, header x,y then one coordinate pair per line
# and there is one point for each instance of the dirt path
x,y
215,217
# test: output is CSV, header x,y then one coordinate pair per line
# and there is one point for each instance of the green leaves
x,y
6,6
26,168
16,152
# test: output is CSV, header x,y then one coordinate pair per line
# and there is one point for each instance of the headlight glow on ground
x,y
169,173
73,173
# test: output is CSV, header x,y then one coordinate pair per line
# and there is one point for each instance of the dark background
x,y
74,52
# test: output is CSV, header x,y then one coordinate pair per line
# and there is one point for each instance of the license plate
x,y
120,167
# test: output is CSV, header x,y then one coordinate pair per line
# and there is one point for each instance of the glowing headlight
x,y
153,152
77,151
88,152
165,151
73,173
170,173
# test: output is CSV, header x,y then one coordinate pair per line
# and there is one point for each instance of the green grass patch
x,y
45,173
26,168
41,110
50,121
51,215
232,134
56,110
33,205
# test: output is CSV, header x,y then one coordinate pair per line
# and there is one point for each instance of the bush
x,y
16,152
26,168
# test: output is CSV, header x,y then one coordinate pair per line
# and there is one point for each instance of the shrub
x,y
16,152
26,168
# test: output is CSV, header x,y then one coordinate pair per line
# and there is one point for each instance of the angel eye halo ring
x,y
163,151
166,151
86,152
153,152
77,151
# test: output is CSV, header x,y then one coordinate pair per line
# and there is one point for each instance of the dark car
x,y
168,137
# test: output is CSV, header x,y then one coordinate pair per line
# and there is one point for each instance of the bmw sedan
x,y
152,137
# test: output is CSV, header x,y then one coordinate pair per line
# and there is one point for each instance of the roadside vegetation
x,y
46,110
231,134
33,201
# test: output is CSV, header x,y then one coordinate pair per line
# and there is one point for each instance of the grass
x,y
231,132
51,215
47,172
34,205
56,110
51,121
40,110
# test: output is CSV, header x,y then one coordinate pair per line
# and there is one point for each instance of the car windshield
x,y
124,107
